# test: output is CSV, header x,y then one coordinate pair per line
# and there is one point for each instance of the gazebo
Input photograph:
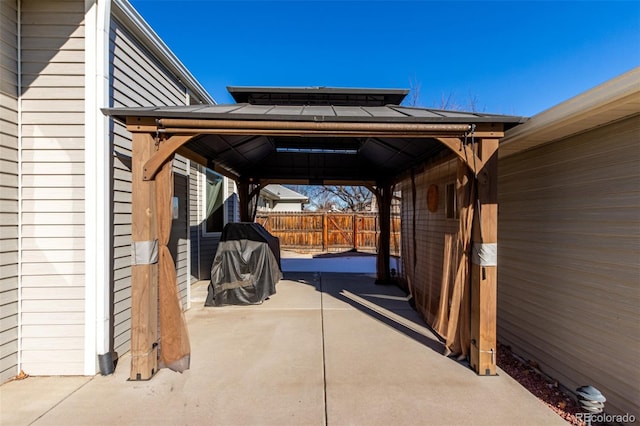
x,y
310,135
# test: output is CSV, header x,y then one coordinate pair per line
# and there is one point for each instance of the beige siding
x,y
137,79
53,186
569,260
424,273
8,190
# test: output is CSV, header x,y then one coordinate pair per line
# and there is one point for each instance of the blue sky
x,y
507,57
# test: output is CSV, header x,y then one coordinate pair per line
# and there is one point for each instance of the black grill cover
x,y
246,267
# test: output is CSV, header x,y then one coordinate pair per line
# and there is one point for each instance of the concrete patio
x,y
328,348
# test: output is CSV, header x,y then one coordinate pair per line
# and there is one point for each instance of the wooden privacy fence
x,y
329,232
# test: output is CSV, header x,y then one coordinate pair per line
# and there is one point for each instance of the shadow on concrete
x,y
386,304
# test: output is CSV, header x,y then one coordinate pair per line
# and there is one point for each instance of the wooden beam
x,y
465,152
484,277
183,126
142,124
224,172
311,132
144,276
166,149
169,124
489,130
196,158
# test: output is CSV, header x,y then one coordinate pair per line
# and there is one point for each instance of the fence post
x,y
325,232
355,232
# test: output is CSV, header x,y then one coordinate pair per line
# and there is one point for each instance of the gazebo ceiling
x,y
290,158
312,135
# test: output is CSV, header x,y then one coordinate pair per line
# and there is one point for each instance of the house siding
x,y
569,260
203,247
231,202
8,190
137,79
53,282
179,241
194,220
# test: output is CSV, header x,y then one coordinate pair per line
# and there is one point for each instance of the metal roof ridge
x,y
395,108
438,111
364,108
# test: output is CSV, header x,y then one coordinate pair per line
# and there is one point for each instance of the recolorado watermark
x,y
588,418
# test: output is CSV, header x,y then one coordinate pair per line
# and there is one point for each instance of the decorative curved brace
x,y
465,153
167,148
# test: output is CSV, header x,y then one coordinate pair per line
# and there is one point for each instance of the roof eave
x,y
176,113
611,101
140,27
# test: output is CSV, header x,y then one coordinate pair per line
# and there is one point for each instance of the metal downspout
x,y
19,89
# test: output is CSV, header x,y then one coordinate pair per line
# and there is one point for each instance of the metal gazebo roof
x,y
315,138
317,96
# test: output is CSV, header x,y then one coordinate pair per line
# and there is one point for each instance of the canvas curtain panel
x,y
175,350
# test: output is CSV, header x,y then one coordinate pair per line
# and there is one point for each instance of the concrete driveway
x,y
327,349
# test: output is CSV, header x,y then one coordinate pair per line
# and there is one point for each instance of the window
x,y
213,202
451,202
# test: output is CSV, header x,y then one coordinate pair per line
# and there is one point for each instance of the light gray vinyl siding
x,y
53,281
233,212
179,242
8,190
208,247
204,245
194,220
569,260
137,79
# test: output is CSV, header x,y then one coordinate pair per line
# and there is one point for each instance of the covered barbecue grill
x,y
246,267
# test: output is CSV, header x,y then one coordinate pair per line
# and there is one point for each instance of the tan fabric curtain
x,y
175,350
441,320
453,317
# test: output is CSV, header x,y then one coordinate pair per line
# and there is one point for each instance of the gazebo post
x,y
144,269
243,200
384,195
484,263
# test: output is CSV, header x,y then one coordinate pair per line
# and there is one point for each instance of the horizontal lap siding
x,y
424,273
233,212
8,190
208,245
53,187
179,243
137,79
204,246
569,260
194,223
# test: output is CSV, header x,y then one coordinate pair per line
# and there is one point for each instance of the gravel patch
x,y
545,389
